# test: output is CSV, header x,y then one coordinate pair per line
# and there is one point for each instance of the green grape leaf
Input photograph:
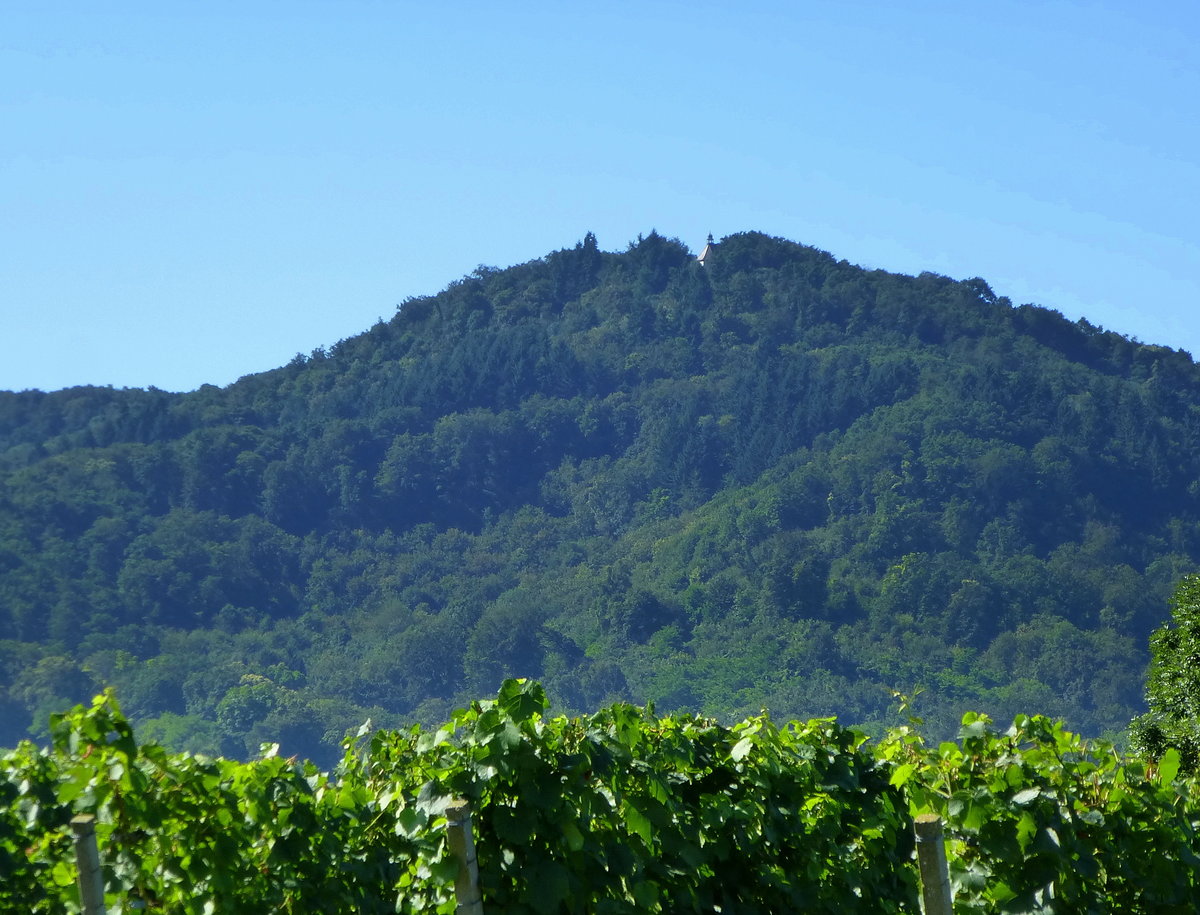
x,y
902,774
1168,766
741,749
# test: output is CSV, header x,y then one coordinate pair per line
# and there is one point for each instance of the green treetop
x,y
1173,682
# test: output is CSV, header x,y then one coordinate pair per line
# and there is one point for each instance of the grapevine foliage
x,y
622,811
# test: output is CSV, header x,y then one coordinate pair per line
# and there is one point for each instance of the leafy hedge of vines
x,y
622,811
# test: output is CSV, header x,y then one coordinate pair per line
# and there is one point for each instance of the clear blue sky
x,y
191,192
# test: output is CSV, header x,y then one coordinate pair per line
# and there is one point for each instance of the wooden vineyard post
x,y
462,845
87,861
931,859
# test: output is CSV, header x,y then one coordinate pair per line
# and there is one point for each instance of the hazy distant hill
x,y
778,479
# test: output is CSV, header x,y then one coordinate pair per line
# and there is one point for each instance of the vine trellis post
x,y
931,859
462,846
87,862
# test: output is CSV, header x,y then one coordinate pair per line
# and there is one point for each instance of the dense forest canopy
x,y
777,480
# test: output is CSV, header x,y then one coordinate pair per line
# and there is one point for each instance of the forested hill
x,y
775,480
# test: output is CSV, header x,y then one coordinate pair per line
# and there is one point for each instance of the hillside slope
x,y
777,480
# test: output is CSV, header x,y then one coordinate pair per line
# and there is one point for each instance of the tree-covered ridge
x,y
777,480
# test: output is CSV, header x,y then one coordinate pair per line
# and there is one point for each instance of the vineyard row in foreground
x,y
622,811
